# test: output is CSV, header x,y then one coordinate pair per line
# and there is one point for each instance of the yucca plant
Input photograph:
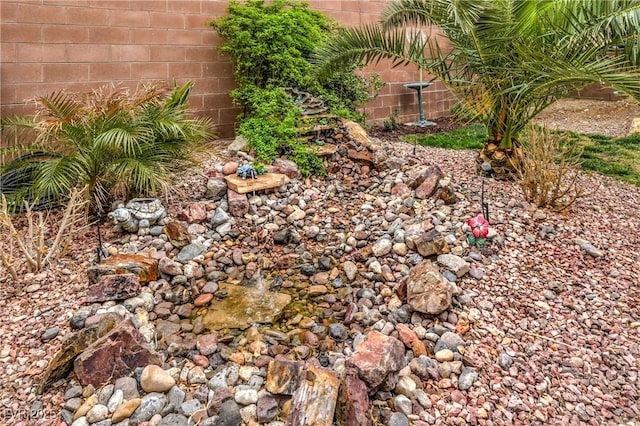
x,y
506,60
108,142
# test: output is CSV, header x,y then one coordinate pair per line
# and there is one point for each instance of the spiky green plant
x,y
506,59
109,142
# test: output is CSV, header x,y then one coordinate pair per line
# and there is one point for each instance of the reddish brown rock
x,y
364,155
238,203
230,167
411,340
177,233
193,213
146,268
113,287
353,402
114,355
428,243
207,344
285,167
427,291
429,183
283,376
314,402
400,190
203,299
377,357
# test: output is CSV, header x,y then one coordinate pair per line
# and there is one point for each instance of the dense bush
x,y
269,46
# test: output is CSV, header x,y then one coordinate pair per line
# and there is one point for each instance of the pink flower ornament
x,y
479,227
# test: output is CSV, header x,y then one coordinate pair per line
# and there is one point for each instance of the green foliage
x,y
269,45
468,137
391,123
615,157
106,142
505,59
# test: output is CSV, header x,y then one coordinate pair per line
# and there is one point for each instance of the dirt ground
x,y
589,116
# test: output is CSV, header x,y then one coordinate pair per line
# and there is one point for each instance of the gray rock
x,y
338,331
176,396
190,407
403,404
216,189
454,263
115,401
189,252
174,420
82,421
398,419
67,416
79,317
219,217
467,377
477,273
505,361
73,392
450,341
229,414
105,393
588,247
151,404
50,334
72,404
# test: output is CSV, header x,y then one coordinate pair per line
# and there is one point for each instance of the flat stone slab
x,y
324,150
265,181
245,306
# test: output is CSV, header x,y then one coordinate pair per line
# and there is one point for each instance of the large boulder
x,y
114,355
377,357
427,291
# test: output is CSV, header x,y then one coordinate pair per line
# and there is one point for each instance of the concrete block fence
x,y
79,45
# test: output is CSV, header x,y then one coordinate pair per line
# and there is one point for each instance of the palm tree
x,y
506,60
107,142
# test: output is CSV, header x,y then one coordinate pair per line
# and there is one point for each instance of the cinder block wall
x,y
78,45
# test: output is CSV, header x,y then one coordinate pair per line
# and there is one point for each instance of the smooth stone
x,y
115,401
444,355
155,379
246,396
467,377
98,413
125,410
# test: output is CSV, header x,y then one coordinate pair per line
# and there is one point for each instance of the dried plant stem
x,y
33,245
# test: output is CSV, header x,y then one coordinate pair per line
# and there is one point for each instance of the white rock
x,y
246,396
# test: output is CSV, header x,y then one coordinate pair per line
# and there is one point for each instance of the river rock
x,y
150,405
454,263
155,379
216,188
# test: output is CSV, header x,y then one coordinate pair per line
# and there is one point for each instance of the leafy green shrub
x,y
269,45
108,142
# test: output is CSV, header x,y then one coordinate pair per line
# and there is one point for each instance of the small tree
x,y
506,59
